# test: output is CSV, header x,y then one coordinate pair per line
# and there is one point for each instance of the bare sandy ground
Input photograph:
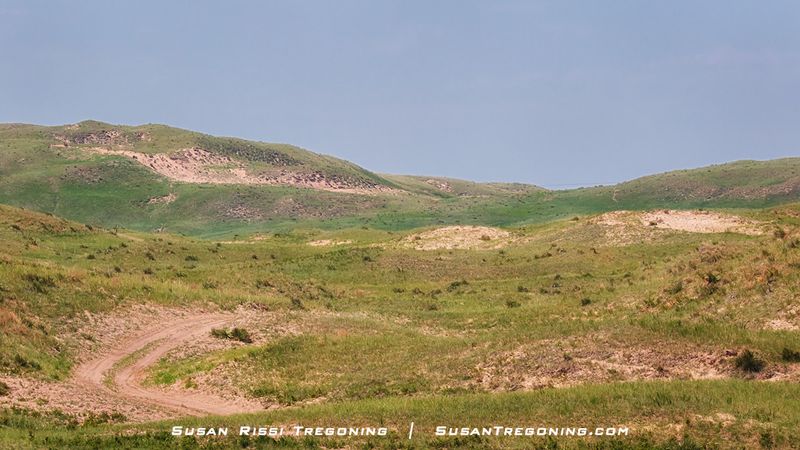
x,y
689,221
459,237
628,227
700,222
196,165
329,242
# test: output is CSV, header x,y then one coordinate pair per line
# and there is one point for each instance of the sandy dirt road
x,y
127,362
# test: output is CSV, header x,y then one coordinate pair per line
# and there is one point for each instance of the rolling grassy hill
x,y
558,323
154,177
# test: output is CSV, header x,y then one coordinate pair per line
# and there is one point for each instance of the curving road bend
x,y
145,348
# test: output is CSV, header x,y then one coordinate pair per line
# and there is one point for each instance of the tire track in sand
x,y
153,343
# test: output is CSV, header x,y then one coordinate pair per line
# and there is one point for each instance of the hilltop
x,y
155,177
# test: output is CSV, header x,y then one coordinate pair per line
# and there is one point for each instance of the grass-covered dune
x,y
142,178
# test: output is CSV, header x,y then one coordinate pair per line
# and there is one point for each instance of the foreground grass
x,y
678,414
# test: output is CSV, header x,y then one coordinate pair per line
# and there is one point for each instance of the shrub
x,y
586,301
522,289
711,286
748,362
456,284
512,303
192,258
241,335
23,363
675,288
39,283
790,355
261,284
150,256
4,389
219,333
236,334
711,278
148,271
297,304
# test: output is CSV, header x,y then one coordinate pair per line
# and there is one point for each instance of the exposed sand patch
x,y
627,227
196,165
329,242
781,325
441,185
459,237
700,222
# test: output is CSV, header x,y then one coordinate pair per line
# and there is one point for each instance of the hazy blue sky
x,y
552,93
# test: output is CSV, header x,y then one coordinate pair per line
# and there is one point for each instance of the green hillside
x,y
154,177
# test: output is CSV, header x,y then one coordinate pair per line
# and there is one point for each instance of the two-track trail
x,y
121,371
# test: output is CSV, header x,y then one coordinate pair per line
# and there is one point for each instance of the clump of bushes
x,y
790,355
748,362
234,334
